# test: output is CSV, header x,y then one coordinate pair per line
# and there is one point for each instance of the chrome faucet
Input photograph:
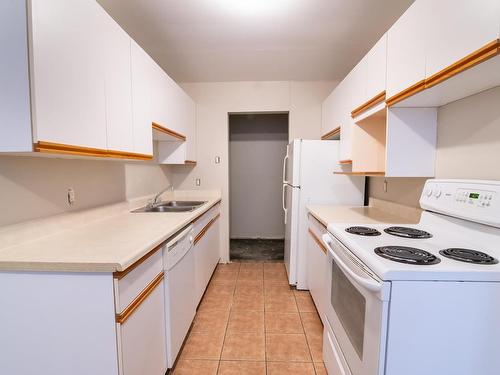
x,y
156,200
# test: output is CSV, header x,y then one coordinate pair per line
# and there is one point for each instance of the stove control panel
x,y
474,200
475,197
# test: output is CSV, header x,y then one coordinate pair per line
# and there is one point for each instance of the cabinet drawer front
x,y
142,337
202,221
316,226
129,286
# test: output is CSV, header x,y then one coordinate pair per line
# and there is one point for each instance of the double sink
x,y
172,206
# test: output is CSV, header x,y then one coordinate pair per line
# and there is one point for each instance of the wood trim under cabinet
x,y
318,241
331,133
374,174
379,98
406,93
59,148
121,274
128,155
481,55
485,53
170,132
129,310
190,162
345,161
205,229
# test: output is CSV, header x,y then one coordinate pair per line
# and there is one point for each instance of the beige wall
x,y
215,100
34,187
468,146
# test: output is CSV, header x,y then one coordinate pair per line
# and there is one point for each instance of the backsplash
x,y
36,187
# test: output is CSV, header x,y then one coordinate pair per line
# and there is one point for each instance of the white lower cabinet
x,y
141,338
140,317
317,264
206,249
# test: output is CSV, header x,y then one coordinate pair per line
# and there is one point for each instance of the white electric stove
x,y
418,299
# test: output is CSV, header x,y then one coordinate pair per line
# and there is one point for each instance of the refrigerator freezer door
x,y
291,202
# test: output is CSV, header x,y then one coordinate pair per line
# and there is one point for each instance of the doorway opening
x,y
257,147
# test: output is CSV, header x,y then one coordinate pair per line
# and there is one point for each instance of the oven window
x,y
349,306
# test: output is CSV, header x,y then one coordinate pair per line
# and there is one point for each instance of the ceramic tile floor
x,y
251,322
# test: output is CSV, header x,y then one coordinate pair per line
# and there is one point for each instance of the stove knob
x,y
437,193
429,192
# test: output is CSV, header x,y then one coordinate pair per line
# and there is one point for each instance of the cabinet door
x,y
207,255
458,28
68,66
15,111
190,127
406,48
329,112
142,67
350,97
316,266
119,125
142,337
159,96
175,104
375,70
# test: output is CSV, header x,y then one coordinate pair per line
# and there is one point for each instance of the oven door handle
x,y
371,285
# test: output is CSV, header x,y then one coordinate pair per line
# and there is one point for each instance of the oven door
x,y
357,310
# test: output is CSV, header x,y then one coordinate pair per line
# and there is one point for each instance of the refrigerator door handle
x,y
283,192
284,166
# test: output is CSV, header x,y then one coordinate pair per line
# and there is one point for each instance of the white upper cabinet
x,y
76,83
158,95
376,68
457,28
351,95
120,131
141,67
369,76
406,47
190,125
14,89
330,111
68,72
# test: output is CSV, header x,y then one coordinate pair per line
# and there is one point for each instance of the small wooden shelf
x,y
332,135
161,133
372,174
345,162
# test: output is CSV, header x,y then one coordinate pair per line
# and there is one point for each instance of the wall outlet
x,y
198,182
71,196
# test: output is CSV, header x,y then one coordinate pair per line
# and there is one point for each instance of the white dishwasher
x,y
180,299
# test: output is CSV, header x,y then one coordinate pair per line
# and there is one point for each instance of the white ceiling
x,y
261,40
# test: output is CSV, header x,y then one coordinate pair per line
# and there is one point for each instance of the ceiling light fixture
x,y
251,7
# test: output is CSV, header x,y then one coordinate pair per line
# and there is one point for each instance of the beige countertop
x,y
358,215
106,243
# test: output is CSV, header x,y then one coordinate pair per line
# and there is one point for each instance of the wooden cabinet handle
x,y
318,241
205,229
129,310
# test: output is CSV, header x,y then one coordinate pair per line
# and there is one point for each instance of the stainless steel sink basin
x,y
172,206
180,204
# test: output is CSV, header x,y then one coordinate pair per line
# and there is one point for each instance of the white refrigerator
x,y
308,178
